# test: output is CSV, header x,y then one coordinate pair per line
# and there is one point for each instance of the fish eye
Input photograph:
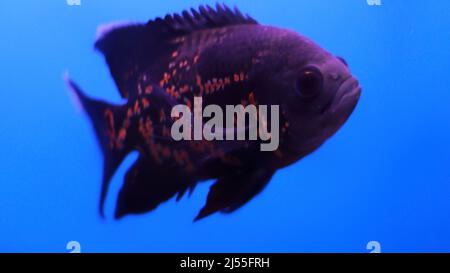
x,y
309,83
342,60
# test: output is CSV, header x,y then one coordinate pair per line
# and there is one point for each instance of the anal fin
x,y
147,185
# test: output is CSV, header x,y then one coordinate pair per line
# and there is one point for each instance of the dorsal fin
x,y
203,18
128,48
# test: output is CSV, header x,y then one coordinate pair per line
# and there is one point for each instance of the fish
x,y
224,57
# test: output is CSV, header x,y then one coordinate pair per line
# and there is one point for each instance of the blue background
x,y
384,176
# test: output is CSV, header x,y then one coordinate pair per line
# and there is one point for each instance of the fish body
x,y
224,58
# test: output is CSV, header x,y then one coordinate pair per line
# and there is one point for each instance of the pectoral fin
x,y
231,192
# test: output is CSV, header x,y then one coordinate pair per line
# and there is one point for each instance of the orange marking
x,y
149,89
188,103
183,64
129,112
171,91
251,98
120,138
196,57
220,85
236,77
199,83
174,54
110,131
165,79
137,109
122,134
145,103
184,89
208,87
162,115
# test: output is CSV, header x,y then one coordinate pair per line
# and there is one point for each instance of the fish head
x,y
317,94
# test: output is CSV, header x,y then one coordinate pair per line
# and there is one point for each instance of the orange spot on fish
x,y
208,87
122,133
188,103
198,79
129,112
251,98
149,89
162,115
111,130
145,103
196,57
184,89
174,54
171,91
165,79
137,109
220,85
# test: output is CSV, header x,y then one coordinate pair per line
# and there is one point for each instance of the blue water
x,y
385,176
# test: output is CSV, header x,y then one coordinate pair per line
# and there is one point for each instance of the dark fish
x,y
227,58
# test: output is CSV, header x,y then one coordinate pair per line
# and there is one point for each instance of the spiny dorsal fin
x,y
203,18
128,48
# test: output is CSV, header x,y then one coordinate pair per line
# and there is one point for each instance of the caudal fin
x,y
104,117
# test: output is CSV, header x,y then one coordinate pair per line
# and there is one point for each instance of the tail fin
x,y
104,118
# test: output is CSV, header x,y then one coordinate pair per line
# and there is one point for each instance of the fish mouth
x,y
344,102
346,98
